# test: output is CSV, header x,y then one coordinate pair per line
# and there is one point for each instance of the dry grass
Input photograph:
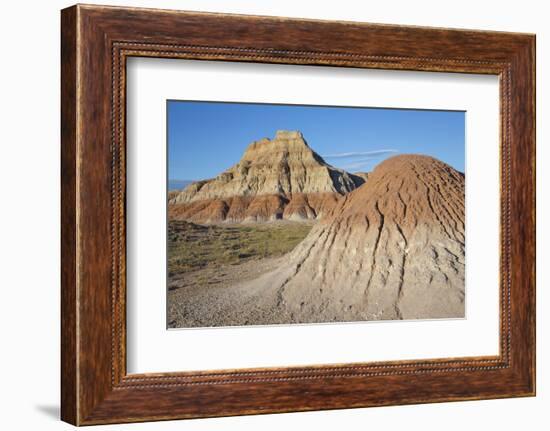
x,y
193,247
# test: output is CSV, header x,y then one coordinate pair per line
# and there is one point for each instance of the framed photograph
x,y
264,214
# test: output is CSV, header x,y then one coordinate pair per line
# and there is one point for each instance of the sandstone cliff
x,y
275,179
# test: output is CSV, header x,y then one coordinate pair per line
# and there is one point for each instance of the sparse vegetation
x,y
193,247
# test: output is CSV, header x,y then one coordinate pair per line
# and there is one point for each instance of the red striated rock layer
x,y
262,208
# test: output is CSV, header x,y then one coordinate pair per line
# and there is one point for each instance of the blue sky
x,y
206,138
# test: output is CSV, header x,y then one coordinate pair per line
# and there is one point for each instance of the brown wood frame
x,y
95,43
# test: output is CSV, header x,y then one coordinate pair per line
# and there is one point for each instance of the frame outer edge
x,y
523,253
533,53
532,100
87,397
531,83
69,202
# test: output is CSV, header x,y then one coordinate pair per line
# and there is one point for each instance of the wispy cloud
x,y
354,154
359,160
359,163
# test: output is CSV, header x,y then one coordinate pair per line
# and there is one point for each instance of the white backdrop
x,y
151,348
29,225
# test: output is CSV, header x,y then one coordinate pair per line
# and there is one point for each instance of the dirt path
x,y
214,296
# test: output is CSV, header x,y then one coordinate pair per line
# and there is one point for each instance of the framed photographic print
x,y
265,215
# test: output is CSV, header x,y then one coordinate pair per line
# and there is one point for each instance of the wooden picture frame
x,y
95,43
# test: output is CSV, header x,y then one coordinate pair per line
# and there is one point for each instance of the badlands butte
x,y
283,237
